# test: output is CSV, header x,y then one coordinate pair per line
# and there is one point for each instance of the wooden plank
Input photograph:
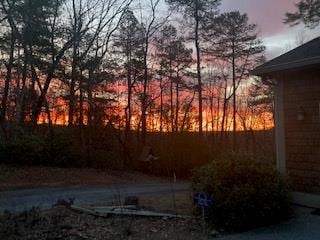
x,y
107,211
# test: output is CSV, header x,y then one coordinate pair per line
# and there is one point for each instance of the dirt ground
x,y
175,203
12,177
62,223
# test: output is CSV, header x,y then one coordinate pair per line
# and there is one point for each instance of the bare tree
x,y
152,25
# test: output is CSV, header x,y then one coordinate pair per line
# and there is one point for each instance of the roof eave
x,y
265,70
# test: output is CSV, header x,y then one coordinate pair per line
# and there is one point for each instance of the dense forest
x,y
129,69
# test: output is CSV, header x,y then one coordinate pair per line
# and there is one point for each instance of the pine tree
x,y
175,59
235,41
197,13
308,13
129,42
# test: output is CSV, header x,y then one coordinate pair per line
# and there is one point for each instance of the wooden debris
x,y
107,211
86,210
133,207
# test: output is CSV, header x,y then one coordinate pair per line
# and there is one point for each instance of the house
x,y
297,113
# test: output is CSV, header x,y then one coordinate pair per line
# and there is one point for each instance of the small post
x,y
173,193
204,201
203,221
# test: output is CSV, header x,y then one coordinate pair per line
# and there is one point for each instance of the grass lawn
x,y
12,177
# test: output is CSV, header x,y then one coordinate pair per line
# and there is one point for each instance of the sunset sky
x,y
269,15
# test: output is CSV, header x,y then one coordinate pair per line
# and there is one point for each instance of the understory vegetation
x,y
246,193
177,153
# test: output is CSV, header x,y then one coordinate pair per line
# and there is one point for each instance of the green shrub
x,y
246,194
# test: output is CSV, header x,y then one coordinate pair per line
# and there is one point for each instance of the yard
x,y
64,223
12,178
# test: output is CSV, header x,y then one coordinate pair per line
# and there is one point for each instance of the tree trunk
x,y
129,107
90,125
144,96
81,118
212,113
171,99
177,104
197,45
224,113
21,97
7,83
234,99
81,115
218,117
72,100
161,105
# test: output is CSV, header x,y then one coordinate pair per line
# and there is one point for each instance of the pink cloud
x,y
268,14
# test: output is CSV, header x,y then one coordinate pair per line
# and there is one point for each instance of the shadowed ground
x,y
303,226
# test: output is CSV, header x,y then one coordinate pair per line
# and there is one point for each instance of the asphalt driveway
x,y
303,226
20,200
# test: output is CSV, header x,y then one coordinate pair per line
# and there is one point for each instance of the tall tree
x,y
8,47
151,25
175,59
95,65
235,41
129,41
31,23
308,13
197,12
88,20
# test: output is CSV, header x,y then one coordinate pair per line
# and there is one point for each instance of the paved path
x,y
20,200
304,226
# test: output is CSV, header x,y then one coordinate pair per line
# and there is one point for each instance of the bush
x,y
64,152
37,149
104,159
26,150
246,194
63,149
180,153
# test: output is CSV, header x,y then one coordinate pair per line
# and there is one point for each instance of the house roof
x,y
306,55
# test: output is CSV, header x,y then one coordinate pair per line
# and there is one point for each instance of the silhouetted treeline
x,y
131,66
